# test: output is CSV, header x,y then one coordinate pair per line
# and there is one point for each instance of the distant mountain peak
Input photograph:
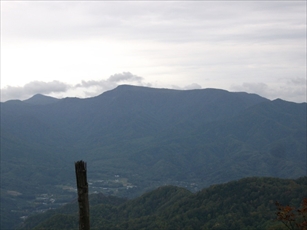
x,y
40,99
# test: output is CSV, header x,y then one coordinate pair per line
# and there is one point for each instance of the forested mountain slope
x,y
245,204
145,137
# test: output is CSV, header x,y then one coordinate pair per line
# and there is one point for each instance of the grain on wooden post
x,y
82,186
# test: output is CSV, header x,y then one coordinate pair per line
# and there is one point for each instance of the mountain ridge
x,y
149,137
40,99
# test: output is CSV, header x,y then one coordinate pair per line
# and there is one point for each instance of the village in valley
x,y
114,185
68,193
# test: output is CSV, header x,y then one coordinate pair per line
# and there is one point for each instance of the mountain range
x,y
147,137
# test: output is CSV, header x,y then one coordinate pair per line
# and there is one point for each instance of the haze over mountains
x,y
149,137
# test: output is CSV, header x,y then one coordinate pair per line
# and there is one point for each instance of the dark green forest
x,y
248,203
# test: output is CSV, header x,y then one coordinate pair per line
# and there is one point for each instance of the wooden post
x,y
82,186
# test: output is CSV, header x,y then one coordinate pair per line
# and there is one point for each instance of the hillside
x,y
245,204
135,139
40,99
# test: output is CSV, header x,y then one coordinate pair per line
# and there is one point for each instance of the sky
x,y
84,48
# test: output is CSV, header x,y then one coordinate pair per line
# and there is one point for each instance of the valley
x,y
248,203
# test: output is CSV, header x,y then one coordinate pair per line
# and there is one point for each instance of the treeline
x,y
245,204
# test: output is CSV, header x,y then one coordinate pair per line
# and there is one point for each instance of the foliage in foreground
x,y
291,217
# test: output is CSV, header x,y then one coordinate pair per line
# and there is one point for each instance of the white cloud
x,y
31,88
159,21
298,81
94,87
125,76
84,89
286,89
216,44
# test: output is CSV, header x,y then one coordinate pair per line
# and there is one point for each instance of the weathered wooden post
x,y
82,186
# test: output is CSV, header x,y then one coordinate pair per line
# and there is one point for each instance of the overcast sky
x,y
81,49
